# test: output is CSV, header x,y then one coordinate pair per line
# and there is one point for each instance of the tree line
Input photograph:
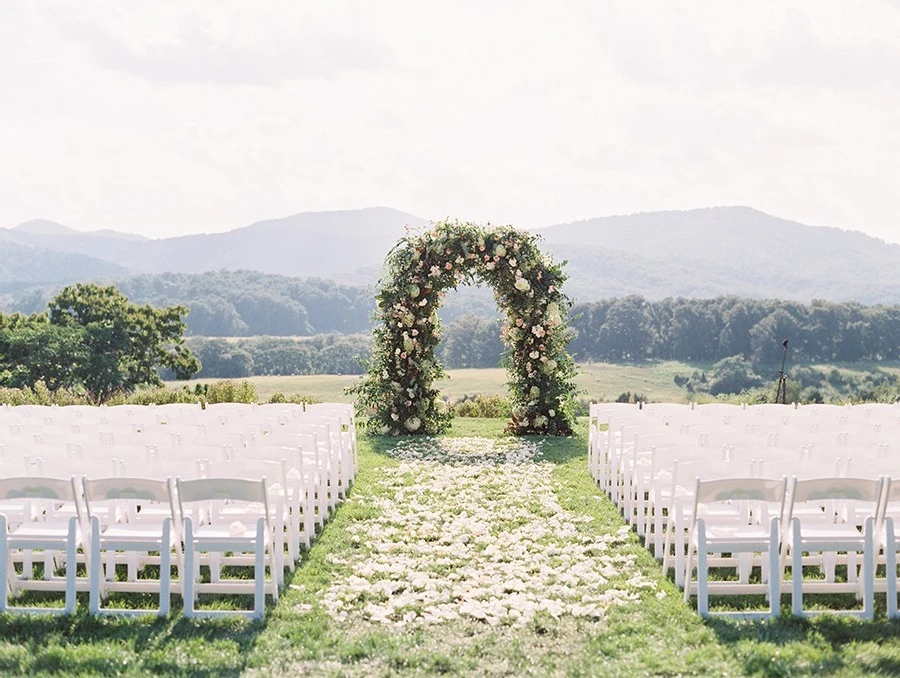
x,y
627,329
248,303
706,330
279,356
92,338
468,342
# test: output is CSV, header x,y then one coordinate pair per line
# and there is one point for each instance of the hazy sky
x,y
167,118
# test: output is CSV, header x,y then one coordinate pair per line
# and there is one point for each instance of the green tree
x,y
733,375
125,344
34,350
471,342
222,359
625,335
695,330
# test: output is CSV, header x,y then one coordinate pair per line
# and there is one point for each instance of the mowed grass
x,y
659,636
597,381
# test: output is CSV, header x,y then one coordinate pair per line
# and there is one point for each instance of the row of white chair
x,y
309,462
808,527
649,464
636,458
325,432
89,528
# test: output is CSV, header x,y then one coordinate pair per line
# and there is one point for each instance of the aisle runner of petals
x,y
471,528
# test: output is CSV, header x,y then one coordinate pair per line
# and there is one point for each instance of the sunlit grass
x,y
597,381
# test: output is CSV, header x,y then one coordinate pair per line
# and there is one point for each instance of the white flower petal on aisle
x,y
472,528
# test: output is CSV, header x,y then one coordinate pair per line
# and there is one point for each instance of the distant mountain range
x,y
23,266
698,253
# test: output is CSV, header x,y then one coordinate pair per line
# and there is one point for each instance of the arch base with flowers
x,y
397,393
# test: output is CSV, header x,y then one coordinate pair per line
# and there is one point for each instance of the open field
x,y
599,381
547,507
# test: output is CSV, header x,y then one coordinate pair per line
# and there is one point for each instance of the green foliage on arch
x,y
397,392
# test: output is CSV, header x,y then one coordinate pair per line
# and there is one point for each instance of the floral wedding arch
x,y
397,392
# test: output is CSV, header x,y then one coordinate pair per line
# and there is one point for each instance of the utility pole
x,y
781,391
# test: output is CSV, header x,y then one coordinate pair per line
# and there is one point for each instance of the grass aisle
x,y
482,555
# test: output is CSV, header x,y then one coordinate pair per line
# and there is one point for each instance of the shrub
x,y
160,396
488,406
294,398
39,394
629,397
231,391
582,407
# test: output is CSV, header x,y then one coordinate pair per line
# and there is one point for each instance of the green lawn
x,y
658,635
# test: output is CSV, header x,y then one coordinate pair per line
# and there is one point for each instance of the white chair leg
x,y
188,576
852,567
49,564
94,568
641,520
745,565
659,531
71,567
869,571
689,572
259,570
796,572
27,564
215,567
680,548
890,553
165,568
829,563
774,571
6,566
131,559
110,566
702,571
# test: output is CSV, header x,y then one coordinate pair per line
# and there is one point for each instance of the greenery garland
x,y
397,393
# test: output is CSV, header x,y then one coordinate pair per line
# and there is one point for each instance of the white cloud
x,y
220,43
184,117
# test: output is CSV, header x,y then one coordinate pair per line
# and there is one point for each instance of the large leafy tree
x,y
93,338
31,350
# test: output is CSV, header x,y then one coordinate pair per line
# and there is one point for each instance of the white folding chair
x,y
197,503
890,544
680,513
751,535
131,522
59,539
278,481
842,517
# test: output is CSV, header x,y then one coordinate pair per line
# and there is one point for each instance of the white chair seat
x,y
736,534
34,535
